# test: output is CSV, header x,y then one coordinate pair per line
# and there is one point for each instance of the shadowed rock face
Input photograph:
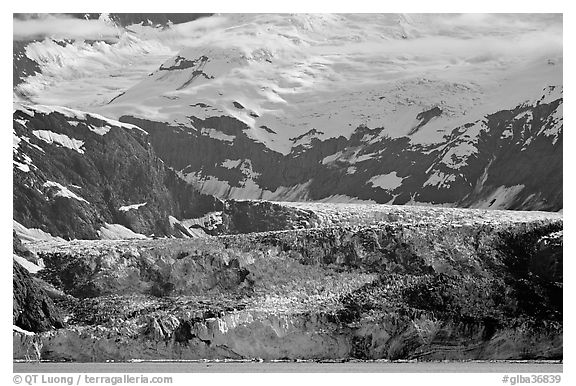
x,y
72,192
263,216
22,65
424,117
32,309
19,249
396,290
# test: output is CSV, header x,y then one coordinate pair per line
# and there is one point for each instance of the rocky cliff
x,y
466,286
79,175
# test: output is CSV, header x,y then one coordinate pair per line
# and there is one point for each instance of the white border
x,y
357,6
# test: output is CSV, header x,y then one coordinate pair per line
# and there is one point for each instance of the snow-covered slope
x,y
442,109
285,75
83,74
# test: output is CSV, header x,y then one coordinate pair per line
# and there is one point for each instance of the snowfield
x,y
299,73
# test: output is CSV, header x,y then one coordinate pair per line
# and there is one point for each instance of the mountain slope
x,y
79,175
437,109
286,75
510,159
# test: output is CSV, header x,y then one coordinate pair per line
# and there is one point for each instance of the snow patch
x,y
23,167
525,115
388,181
28,265
551,94
99,130
457,156
27,140
118,232
28,235
130,207
23,164
75,116
230,164
61,139
248,190
246,168
331,158
194,232
15,141
344,199
63,191
217,135
23,122
362,158
440,180
506,133
22,331
554,124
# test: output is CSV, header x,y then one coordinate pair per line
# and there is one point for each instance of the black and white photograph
x,y
286,193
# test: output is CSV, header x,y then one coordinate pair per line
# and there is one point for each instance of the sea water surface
x,y
292,367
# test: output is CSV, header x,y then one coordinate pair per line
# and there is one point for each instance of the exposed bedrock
x,y
263,216
76,175
32,309
391,291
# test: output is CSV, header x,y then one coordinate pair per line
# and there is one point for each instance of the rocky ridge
x,y
80,175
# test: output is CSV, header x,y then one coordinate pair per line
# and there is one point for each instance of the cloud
x,y
371,47
420,37
88,73
319,53
34,26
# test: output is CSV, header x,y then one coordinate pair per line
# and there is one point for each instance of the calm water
x,y
291,367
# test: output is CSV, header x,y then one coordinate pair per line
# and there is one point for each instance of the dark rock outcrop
x,y
77,172
32,309
20,249
424,117
263,216
22,65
